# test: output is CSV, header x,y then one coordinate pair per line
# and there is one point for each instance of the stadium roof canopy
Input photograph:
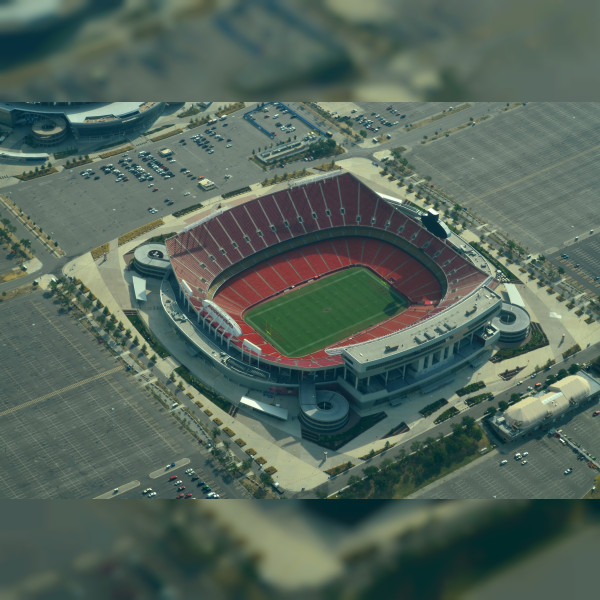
x,y
139,288
79,113
265,407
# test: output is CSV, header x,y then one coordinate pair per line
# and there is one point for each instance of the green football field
x,y
325,311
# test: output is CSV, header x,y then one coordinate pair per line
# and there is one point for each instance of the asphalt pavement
x,y
477,412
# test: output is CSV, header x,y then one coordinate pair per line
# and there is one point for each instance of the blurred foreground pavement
x,y
328,549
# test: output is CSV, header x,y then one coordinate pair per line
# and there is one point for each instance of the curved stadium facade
x,y
281,244
88,121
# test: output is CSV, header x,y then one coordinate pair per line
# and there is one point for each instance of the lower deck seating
x,y
294,267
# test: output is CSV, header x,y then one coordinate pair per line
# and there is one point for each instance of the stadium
x,y
328,286
52,122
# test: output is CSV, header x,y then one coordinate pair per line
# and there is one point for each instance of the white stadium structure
x,y
237,258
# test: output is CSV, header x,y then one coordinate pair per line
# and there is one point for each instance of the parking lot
x,y
73,423
585,253
531,172
542,477
83,213
202,483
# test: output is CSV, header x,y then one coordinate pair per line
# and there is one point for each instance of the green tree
x,y
515,398
502,405
468,423
266,479
370,471
353,480
574,368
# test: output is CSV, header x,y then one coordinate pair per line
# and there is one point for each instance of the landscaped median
x,y
116,151
428,410
164,136
127,237
148,336
230,108
100,250
339,469
472,387
447,414
26,176
473,400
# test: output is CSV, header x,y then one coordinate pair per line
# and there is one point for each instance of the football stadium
x,y
330,287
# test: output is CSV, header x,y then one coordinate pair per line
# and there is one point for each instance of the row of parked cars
x,y
181,487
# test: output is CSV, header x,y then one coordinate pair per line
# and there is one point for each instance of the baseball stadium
x,y
328,284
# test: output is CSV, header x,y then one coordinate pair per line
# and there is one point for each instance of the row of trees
x,y
67,293
426,462
17,247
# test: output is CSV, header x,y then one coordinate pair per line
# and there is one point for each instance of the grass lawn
x,y
325,311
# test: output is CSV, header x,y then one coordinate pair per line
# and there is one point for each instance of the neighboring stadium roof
x,y
531,411
573,387
84,112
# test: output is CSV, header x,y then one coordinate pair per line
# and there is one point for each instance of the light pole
x,y
325,454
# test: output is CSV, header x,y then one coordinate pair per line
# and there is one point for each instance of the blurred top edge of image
x,y
338,49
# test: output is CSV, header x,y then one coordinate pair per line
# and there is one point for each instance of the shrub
x,y
208,412
473,387
447,414
271,470
240,442
228,431
217,421
251,451
261,460
473,400
431,408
